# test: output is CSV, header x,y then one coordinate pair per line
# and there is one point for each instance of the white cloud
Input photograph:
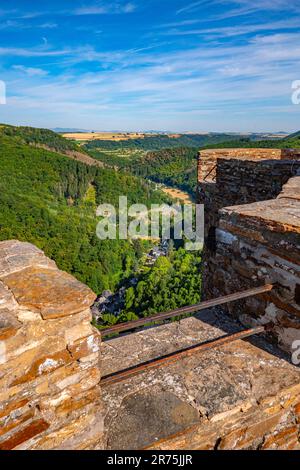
x,y
179,87
18,25
102,9
48,25
40,51
30,71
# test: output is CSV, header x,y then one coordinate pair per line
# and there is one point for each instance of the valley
x,y
51,187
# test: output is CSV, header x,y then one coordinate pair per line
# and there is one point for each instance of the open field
x,y
114,136
121,158
88,136
177,194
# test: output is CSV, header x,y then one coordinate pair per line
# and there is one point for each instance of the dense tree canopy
x,y
35,136
50,200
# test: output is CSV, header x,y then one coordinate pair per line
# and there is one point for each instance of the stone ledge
x,y
16,255
278,215
50,292
34,282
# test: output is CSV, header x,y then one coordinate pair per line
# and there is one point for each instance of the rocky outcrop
x,y
49,355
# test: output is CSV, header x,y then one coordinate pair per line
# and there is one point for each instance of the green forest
x,y
174,167
50,200
40,137
174,281
292,142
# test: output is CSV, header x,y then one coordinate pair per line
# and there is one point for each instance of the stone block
x,y
33,429
50,292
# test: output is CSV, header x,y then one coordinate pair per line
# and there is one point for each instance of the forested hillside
x,y
50,200
174,167
40,137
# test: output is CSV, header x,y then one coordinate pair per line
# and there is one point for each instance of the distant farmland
x,y
113,136
88,136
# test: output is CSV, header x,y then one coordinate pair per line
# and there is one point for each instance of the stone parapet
x,y
49,355
208,159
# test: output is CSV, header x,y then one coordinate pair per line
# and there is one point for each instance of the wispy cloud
x,y
19,25
30,71
48,25
236,8
103,9
189,83
238,30
33,52
134,77
192,6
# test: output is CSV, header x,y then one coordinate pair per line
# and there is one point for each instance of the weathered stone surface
x,y
75,403
16,255
9,325
291,190
242,395
244,437
84,346
7,301
50,292
49,355
7,408
240,392
283,440
33,429
78,331
81,433
8,425
147,416
252,219
44,365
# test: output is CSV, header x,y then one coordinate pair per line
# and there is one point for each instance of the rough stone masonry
x,y
49,355
252,219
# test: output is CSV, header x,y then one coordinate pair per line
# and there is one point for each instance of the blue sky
x,y
179,65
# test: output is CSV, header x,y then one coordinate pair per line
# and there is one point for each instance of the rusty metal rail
x,y
162,361
184,310
210,172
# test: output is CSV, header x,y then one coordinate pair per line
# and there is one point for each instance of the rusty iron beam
x,y
184,310
209,173
162,361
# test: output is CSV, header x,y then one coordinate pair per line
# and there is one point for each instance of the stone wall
x,y
209,158
252,243
49,355
242,181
